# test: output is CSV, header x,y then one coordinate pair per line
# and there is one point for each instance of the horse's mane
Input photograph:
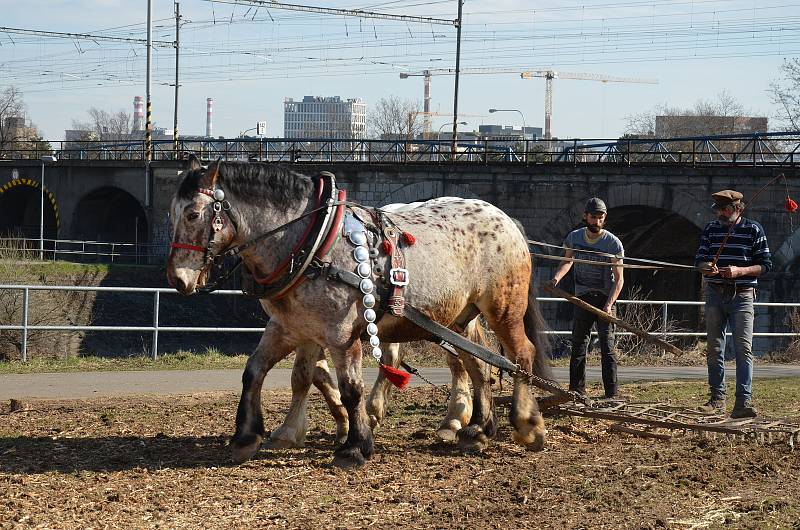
x,y
254,183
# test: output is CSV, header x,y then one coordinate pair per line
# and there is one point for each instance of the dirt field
x,y
154,462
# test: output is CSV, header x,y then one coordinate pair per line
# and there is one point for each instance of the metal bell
x,y
372,328
368,300
358,238
361,254
219,195
366,286
364,269
377,353
369,315
374,341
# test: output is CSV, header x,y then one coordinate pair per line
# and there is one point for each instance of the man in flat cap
x,y
730,291
597,285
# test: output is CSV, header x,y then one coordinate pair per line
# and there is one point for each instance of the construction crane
x,y
426,75
549,75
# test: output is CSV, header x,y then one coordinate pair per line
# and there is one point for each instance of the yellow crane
x,y
549,75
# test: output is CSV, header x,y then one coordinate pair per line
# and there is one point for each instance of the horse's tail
x,y
535,326
536,330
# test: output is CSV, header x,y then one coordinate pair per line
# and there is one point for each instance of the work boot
x,y
713,405
744,409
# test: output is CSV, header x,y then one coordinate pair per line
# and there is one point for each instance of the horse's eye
x,y
193,216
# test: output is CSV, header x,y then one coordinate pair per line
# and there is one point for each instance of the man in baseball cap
x,y
598,285
731,280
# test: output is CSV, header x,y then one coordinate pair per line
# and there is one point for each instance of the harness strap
x,y
186,246
420,319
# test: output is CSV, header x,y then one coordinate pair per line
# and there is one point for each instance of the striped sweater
x,y
746,246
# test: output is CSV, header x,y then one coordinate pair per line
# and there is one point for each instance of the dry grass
x,y
158,462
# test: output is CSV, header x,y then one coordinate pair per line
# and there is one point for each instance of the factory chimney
x,y
209,116
138,113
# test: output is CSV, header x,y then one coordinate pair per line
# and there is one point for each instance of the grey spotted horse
x,y
449,260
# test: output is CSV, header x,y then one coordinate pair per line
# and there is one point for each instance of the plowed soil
x,y
162,462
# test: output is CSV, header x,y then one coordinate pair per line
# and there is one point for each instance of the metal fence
x,y
780,148
156,328
83,251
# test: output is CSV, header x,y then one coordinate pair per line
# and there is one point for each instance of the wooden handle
x,y
611,318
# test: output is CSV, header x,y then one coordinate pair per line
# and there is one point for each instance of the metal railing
x,y
24,327
780,148
82,251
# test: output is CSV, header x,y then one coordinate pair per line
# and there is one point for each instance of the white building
x,y
324,117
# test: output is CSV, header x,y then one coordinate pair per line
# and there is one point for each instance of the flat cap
x,y
726,197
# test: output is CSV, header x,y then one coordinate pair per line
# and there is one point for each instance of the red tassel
x,y
791,206
386,247
409,239
398,378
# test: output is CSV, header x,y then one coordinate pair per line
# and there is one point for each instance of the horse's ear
x,y
209,180
193,163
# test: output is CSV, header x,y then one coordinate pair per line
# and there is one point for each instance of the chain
x,y
413,371
552,386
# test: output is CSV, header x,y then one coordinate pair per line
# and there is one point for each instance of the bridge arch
x,y
424,190
110,214
19,210
655,196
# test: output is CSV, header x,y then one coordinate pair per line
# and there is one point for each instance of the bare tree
x,y
395,118
16,138
785,93
666,121
105,126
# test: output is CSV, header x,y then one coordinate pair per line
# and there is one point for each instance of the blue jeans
x,y
725,306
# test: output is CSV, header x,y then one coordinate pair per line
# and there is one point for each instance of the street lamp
x,y
45,158
439,132
492,111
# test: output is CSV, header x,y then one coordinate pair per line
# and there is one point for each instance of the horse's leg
x,y
509,327
482,425
359,446
292,432
273,347
459,408
376,403
324,382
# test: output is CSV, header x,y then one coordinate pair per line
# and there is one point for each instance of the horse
x,y
458,258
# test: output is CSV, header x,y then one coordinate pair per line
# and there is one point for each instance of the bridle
x,y
221,206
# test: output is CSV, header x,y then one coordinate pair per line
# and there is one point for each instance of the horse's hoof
x,y
373,422
446,435
447,430
471,439
534,440
243,451
350,458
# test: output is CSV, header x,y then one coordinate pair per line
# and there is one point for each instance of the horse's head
x,y
201,227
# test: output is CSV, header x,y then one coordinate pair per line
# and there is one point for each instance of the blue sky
x,y
249,60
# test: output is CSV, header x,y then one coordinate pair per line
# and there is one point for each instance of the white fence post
x,y
156,300
25,325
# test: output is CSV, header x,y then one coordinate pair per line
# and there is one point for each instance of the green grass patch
x,y
208,360
772,397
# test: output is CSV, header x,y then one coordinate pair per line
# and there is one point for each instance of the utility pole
x,y
148,132
177,51
458,69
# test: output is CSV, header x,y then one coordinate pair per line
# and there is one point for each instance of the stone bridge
x,y
657,210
